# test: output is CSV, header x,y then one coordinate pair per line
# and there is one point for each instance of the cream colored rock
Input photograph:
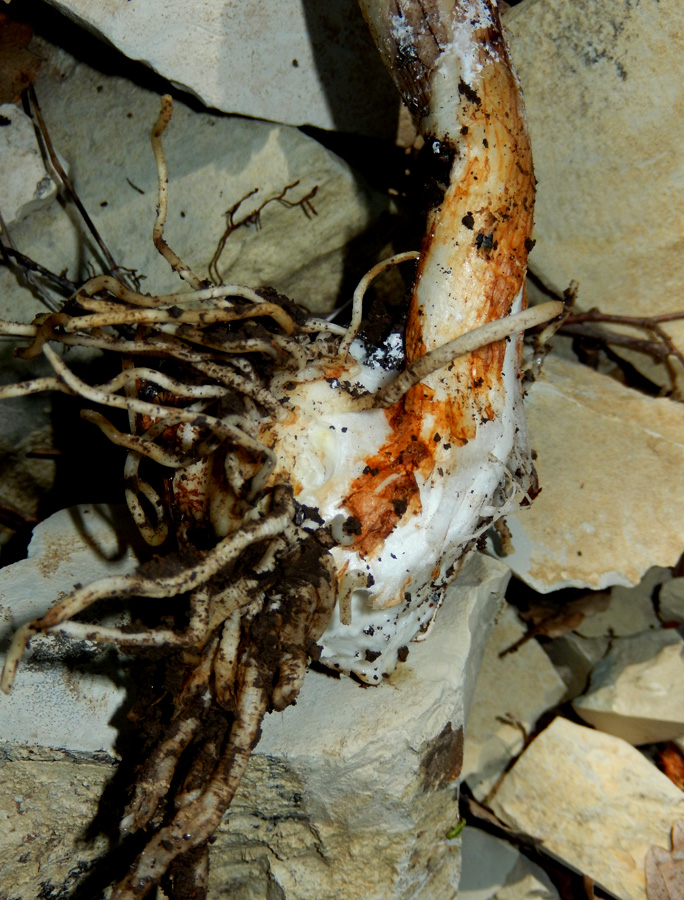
x,y
46,804
602,84
637,689
291,61
350,793
610,462
593,801
512,693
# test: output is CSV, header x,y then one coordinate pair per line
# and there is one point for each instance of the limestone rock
x,y
604,516
45,807
292,61
74,545
574,657
630,610
350,793
671,601
24,181
593,801
512,692
602,83
101,125
493,869
637,689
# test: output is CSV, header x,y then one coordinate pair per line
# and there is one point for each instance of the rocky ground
x,y
559,655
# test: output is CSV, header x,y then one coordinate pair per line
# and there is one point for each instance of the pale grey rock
x,y
593,801
51,705
101,125
573,657
604,516
350,793
527,882
637,689
487,862
602,85
493,869
512,692
292,61
671,601
630,611
24,180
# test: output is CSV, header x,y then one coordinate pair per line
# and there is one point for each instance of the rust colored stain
x,y
387,490
452,418
443,762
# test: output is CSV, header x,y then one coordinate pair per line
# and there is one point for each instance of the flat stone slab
x,y
601,81
512,692
604,516
291,61
495,870
637,689
593,801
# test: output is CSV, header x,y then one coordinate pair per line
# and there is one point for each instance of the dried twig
x,y
66,181
305,203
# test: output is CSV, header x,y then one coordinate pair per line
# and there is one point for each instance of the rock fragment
x,y
603,517
512,692
574,657
493,869
637,689
292,62
593,801
671,601
601,81
75,707
631,610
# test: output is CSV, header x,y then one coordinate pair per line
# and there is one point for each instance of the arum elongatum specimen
x,y
305,501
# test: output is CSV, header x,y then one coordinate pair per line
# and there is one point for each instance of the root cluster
x,y
200,373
